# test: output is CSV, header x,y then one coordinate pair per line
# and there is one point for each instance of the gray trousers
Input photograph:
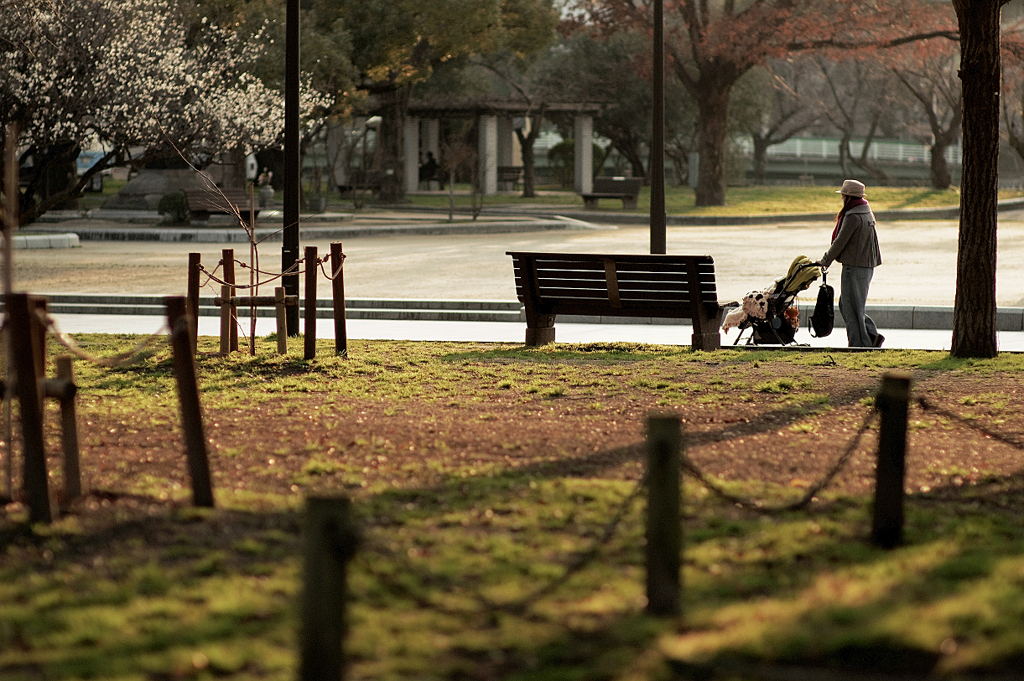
x,y
860,330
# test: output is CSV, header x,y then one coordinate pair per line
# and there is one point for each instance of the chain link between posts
x,y
925,405
584,558
114,361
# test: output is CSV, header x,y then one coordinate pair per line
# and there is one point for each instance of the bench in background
x,y
627,189
204,201
363,181
663,286
509,175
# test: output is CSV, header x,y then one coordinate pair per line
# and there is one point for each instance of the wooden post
x,y
664,524
891,402
69,431
188,394
282,321
38,307
192,306
309,341
228,259
226,321
20,309
338,291
330,542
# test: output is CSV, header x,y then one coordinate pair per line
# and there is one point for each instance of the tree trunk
x,y
761,144
526,146
712,133
941,177
394,105
233,172
974,311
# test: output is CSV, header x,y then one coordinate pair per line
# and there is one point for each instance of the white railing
x,y
828,149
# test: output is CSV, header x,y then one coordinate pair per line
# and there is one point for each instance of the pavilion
x,y
497,122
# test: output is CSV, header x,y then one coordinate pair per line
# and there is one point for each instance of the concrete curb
x,y
222,231
608,217
27,241
275,234
923,317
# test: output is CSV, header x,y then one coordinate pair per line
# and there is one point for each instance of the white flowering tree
x,y
127,75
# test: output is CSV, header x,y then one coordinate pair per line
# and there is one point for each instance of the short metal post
x,y
282,321
69,432
192,305
20,309
330,542
309,341
664,524
188,395
891,402
338,292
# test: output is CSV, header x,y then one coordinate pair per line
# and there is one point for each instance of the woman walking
x,y
855,245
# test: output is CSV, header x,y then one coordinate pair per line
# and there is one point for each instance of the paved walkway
x,y
424,260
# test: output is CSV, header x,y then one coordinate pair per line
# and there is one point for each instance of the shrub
x,y
174,206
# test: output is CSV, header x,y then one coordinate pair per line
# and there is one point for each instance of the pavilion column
x,y
488,154
431,131
411,147
583,146
506,145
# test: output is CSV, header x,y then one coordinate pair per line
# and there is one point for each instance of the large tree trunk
x,y
712,133
940,175
394,105
529,165
974,312
761,144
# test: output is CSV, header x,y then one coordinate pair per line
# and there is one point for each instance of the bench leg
x,y
538,337
629,203
540,329
589,203
707,341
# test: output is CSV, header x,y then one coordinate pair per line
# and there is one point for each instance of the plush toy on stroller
x,y
772,313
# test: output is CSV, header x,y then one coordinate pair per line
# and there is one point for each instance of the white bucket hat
x,y
852,188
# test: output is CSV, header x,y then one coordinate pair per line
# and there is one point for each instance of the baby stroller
x,y
772,314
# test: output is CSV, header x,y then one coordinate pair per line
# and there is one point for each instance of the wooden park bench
x,y
205,201
662,286
510,175
363,181
625,188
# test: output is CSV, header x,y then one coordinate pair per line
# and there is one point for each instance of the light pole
x,y
290,245
658,219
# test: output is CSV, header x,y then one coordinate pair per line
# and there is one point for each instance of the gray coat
x,y
857,242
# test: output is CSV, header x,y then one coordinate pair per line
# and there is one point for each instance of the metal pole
x,y
657,173
195,260
290,246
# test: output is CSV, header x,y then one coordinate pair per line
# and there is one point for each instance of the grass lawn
x,y
739,200
497,492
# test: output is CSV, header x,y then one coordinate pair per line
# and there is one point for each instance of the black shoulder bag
x,y
824,315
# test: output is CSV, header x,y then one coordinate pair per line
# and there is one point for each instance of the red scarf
x,y
854,201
